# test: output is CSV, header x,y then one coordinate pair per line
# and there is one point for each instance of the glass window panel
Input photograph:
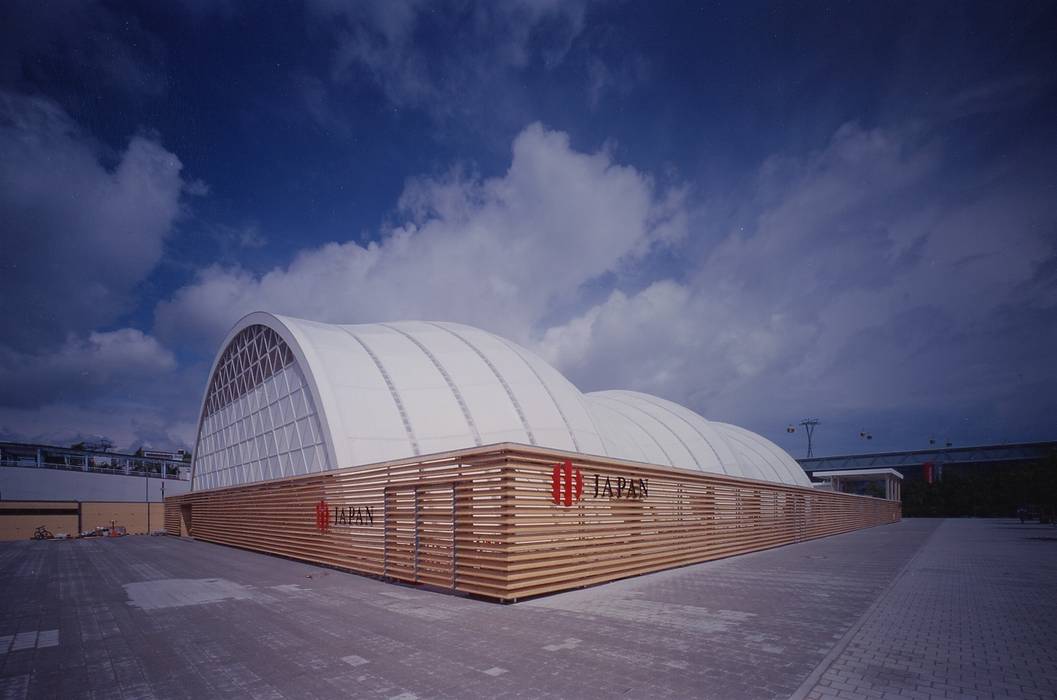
x,y
297,462
290,436
320,457
308,431
297,399
248,412
294,379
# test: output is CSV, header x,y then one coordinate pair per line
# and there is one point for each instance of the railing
x,y
939,455
147,468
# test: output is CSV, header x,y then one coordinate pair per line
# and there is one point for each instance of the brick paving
x,y
973,615
958,607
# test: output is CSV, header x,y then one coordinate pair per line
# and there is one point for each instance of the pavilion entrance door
x,y
420,530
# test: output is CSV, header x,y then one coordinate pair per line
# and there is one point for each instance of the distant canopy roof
x,y
288,396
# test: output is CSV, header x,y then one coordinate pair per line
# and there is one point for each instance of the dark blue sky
x,y
762,211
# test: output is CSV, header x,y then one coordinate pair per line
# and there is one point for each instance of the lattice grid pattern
x,y
259,420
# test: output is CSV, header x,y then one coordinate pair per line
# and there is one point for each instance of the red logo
x,y
322,517
567,484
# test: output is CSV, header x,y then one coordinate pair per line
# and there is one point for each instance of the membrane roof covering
x,y
308,396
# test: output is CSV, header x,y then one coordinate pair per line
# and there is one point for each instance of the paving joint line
x,y
816,675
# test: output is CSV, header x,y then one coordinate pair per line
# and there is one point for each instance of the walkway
x,y
972,616
937,608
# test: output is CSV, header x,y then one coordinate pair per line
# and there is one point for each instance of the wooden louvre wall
x,y
486,521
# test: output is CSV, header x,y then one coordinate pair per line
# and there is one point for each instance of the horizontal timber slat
x,y
483,521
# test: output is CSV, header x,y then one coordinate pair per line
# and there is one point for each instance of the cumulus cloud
x,y
87,225
502,252
82,227
863,279
100,362
121,384
129,424
857,283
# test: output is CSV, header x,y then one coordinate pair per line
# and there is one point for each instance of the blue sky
x,y
764,212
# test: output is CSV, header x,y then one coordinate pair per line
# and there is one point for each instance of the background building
x,y
980,480
69,490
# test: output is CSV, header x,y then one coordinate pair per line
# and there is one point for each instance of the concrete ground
x,y
922,608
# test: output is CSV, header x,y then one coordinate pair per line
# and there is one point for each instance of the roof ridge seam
x,y
771,448
666,427
638,425
502,380
447,378
647,398
752,446
392,390
554,400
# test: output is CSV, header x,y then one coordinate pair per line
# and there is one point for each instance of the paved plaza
x,y
919,609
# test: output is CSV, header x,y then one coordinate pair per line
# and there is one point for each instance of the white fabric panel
x,y
570,402
436,420
788,469
753,464
491,409
710,435
362,394
662,430
709,447
701,455
632,426
539,408
756,459
368,425
622,437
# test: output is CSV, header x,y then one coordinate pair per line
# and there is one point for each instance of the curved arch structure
x,y
289,397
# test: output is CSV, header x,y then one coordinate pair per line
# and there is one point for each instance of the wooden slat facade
x,y
485,521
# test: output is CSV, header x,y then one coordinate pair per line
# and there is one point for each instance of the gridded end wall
x,y
484,521
259,421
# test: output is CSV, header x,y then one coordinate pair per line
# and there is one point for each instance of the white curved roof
x,y
362,394
663,432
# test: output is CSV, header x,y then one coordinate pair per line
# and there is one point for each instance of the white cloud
x,y
85,234
82,228
502,252
855,281
83,368
861,283
129,424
